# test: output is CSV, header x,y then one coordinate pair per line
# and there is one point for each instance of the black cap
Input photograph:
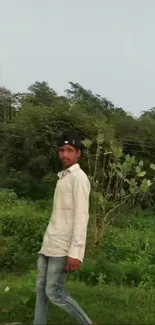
x,y
71,138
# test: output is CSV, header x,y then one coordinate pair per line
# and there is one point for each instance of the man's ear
x,y
78,153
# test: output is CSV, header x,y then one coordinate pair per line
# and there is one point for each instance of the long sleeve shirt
x,y
67,229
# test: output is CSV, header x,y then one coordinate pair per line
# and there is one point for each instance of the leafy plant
x,y
116,179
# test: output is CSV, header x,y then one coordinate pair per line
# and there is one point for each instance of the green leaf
x,y
100,138
87,143
126,180
119,174
122,192
107,152
113,166
142,174
133,159
152,166
149,183
141,163
132,182
145,185
119,165
138,170
117,151
132,190
128,158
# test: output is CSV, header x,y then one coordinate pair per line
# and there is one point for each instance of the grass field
x,y
122,268
105,304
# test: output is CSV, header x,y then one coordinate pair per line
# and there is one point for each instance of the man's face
x,y
69,155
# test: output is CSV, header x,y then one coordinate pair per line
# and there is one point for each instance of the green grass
x,y
105,304
123,266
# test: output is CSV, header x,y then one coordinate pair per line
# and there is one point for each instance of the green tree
x,y
7,109
41,94
88,102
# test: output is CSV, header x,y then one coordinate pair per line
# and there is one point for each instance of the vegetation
x,y
120,272
107,304
30,124
119,268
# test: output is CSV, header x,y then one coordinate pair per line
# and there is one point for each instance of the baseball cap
x,y
71,138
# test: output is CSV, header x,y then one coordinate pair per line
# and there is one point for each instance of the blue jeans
x,y
50,285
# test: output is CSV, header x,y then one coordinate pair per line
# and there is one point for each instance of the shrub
x,y
12,255
126,255
8,198
22,229
127,244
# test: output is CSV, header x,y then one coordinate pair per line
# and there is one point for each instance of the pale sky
x,y
107,46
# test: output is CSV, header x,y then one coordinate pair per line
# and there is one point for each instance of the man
x,y
64,241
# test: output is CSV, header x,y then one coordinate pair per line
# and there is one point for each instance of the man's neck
x,y
67,167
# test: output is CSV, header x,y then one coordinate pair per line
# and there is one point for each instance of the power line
x,y
148,144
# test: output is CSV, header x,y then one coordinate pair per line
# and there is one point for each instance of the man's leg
x,y
41,307
56,293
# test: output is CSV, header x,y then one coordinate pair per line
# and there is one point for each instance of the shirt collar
x,y
70,169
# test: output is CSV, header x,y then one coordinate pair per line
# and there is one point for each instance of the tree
x,y
7,110
88,102
31,122
41,94
150,112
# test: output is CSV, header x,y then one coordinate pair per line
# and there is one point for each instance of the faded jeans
x,y
50,285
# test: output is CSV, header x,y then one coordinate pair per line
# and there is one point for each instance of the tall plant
x,y
115,180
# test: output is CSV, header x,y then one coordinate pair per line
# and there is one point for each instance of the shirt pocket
x,y
67,201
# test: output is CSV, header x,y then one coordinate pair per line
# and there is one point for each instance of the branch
x,y
88,159
116,206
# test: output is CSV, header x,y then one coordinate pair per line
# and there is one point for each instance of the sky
x,y
105,45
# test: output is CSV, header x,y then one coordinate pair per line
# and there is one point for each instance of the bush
x,y
125,272
8,198
12,255
127,244
22,229
26,186
126,255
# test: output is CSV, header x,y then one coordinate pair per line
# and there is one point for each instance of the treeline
x,y
31,122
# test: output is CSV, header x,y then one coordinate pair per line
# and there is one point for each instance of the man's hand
x,y
72,264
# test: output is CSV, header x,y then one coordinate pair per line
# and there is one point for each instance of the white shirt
x,y
67,229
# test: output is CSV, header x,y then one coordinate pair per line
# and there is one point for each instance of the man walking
x,y
63,246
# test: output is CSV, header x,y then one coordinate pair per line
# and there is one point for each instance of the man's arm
x,y
81,191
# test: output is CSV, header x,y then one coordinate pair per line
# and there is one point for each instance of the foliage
x,y
7,110
116,179
126,253
121,167
22,226
8,198
31,122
